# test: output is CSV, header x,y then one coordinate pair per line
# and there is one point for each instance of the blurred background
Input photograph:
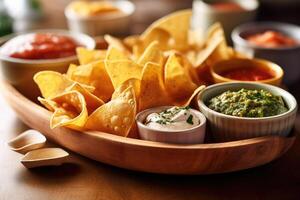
x,y
23,15
128,17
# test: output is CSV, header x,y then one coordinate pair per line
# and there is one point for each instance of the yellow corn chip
x,y
115,117
69,110
121,70
95,74
177,25
178,82
151,54
86,56
153,92
51,83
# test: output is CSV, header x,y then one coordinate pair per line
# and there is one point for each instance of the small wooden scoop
x,y
45,157
27,141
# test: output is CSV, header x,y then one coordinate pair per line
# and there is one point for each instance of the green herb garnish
x,y
190,120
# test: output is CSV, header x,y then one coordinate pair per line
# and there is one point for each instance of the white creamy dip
x,y
173,119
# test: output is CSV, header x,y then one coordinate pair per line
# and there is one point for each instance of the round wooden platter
x,y
146,156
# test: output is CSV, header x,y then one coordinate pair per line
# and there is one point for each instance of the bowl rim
x,y
243,4
185,131
238,39
286,95
65,32
278,70
71,15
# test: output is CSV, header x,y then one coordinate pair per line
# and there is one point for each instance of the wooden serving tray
x,y
150,156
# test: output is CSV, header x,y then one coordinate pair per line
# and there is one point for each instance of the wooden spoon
x,y
27,141
45,157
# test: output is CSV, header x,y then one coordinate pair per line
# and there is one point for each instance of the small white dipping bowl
x,y
110,23
227,128
194,135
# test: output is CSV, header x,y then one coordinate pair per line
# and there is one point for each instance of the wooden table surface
x,y
87,179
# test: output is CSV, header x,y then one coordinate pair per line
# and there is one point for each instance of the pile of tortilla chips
x,y
165,65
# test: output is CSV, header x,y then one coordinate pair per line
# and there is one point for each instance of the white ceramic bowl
x,y
19,72
190,136
117,24
286,57
204,15
227,128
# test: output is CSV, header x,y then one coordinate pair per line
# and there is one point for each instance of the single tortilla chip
x,y
115,42
115,117
157,34
131,40
188,67
51,83
153,92
222,51
133,82
161,36
177,25
95,74
69,110
115,54
92,101
86,56
151,54
49,104
121,70
210,46
71,69
178,82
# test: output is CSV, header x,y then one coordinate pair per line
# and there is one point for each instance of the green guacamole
x,y
248,103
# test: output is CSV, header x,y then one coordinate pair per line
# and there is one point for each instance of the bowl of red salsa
x,y
253,70
277,42
23,55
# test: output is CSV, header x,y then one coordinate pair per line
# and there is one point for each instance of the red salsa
x,y
227,6
40,46
247,74
271,39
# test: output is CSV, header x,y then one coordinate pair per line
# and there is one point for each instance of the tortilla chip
x,y
92,102
133,82
71,69
222,51
115,42
121,70
177,25
94,74
210,46
153,92
86,56
151,54
188,67
115,54
51,83
115,117
178,82
157,34
69,110
131,40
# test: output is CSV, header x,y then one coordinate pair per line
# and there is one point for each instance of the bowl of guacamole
x,y
248,103
241,110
